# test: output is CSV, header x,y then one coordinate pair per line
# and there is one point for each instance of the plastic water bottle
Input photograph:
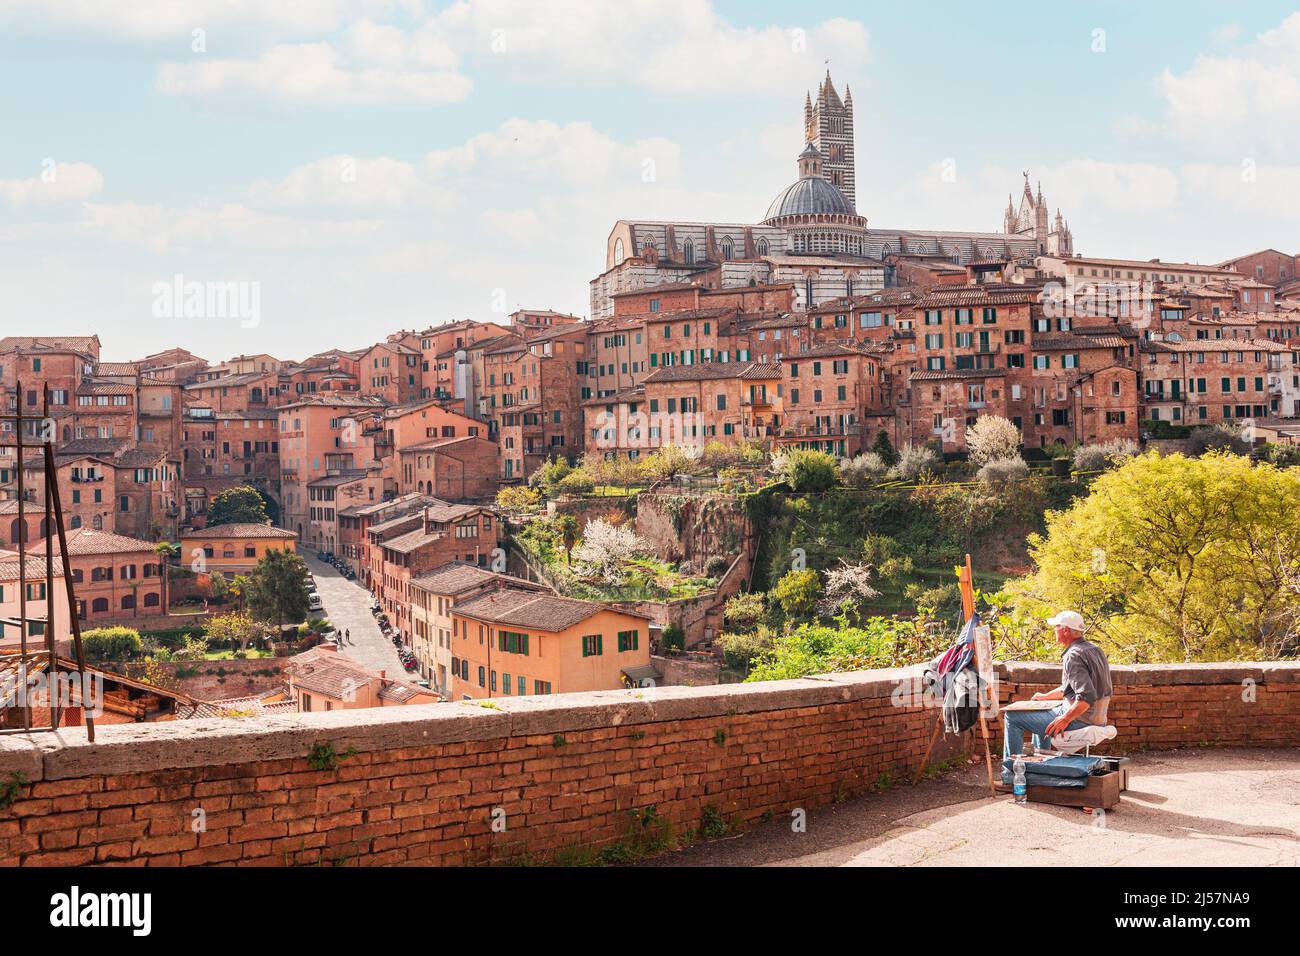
x,y
1018,786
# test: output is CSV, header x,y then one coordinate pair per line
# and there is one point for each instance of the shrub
x,y
576,482
716,566
1217,438
863,470
913,461
1003,470
1100,456
744,611
673,637
797,593
992,437
111,643
741,650
808,471
1284,456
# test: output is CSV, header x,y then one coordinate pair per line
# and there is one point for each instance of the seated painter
x,y
1084,692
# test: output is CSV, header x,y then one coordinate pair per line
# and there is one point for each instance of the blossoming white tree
x,y
992,437
604,549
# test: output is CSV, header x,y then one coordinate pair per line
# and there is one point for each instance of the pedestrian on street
x,y
347,635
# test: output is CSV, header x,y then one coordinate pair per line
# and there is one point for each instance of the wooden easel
x,y
967,581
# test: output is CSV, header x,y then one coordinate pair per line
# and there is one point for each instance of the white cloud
x,y
309,74
231,225
1237,101
678,46
58,183
543,152
348,182
1261,192
149,20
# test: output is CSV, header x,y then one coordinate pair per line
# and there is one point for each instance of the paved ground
x,y
1229,807
347,606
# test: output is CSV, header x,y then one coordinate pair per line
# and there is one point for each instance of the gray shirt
x,y
1085,675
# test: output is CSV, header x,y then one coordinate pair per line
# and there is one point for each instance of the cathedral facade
x,y
812,235
1031,221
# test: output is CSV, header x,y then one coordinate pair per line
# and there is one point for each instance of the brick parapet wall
x,y
422,784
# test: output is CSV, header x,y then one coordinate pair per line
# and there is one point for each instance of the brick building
x,y
118,579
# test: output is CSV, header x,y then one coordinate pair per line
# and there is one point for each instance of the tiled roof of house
x,y
327,672
457,577
714,371
963,296
54,343
275,701
83,541
929,375
240,530
1065,340
519,608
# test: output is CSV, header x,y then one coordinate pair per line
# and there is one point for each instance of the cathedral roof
x,y
810,196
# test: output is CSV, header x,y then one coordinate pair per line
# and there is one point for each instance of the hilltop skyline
x,y
382,166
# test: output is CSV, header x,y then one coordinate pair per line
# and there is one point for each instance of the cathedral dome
x,y
810,196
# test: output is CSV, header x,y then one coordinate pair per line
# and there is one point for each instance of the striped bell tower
x,y
828,126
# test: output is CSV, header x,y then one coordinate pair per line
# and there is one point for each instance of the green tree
x,y
218,587
517,499
233,628
1176,558
166,551
567,526
277,591
239,586
797,593
883,447
241,505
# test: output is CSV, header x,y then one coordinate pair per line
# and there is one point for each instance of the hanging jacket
x,y
961,701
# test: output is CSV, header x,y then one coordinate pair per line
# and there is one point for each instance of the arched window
x,y
97,522
618,251
151,599
99,605
128,602
75,522
762,247
726,247
688,253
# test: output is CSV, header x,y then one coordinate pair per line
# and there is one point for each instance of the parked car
x,y
314,602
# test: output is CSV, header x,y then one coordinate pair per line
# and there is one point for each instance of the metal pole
x,y
56,707
74,620
22,556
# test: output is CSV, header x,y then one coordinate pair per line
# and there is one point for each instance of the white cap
x,y
1071,619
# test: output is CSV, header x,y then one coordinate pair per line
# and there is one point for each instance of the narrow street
x,y
347,607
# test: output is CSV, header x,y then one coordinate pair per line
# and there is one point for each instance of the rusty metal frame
x,y
53,521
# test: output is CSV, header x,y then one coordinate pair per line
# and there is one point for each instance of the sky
x,y
325,172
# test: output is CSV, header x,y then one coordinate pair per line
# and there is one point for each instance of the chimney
x,y
425,514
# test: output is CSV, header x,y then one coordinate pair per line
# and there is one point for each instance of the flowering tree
x,y
848,589
603,551
992,437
